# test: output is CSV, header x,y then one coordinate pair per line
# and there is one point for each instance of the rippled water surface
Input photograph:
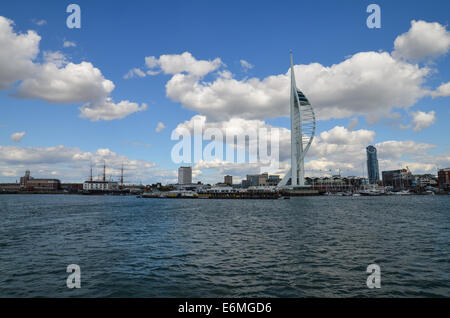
x,y
303,247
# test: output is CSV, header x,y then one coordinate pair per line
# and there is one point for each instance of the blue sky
x,y
116,36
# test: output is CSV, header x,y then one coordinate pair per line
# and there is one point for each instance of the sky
x,y
117,88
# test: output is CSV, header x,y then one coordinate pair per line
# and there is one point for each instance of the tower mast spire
x,y
295,121
303,126
293,85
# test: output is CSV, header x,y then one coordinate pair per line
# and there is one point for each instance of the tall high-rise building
x,y
184,175
303,128
372,165
228,180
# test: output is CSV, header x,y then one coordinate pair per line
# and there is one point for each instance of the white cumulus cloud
x,y
17,137
69,44
367,83
185,62
40,22
423,120
72,83
57,58
159,127
16,53
246,65
56,80
424,39
106,109
134,72
442,91
393,149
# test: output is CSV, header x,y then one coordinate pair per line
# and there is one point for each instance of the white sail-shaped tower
x,y
303,128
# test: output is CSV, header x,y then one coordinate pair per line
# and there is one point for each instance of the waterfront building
x,y
273,180
425,180
189,187
100,186
356,182
221,189
336,183
389,176
9,187
222,185
444,179
372,165
184,175
400,179
27,182
72,187
228,180
330,184
303,128
260,180
257,180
